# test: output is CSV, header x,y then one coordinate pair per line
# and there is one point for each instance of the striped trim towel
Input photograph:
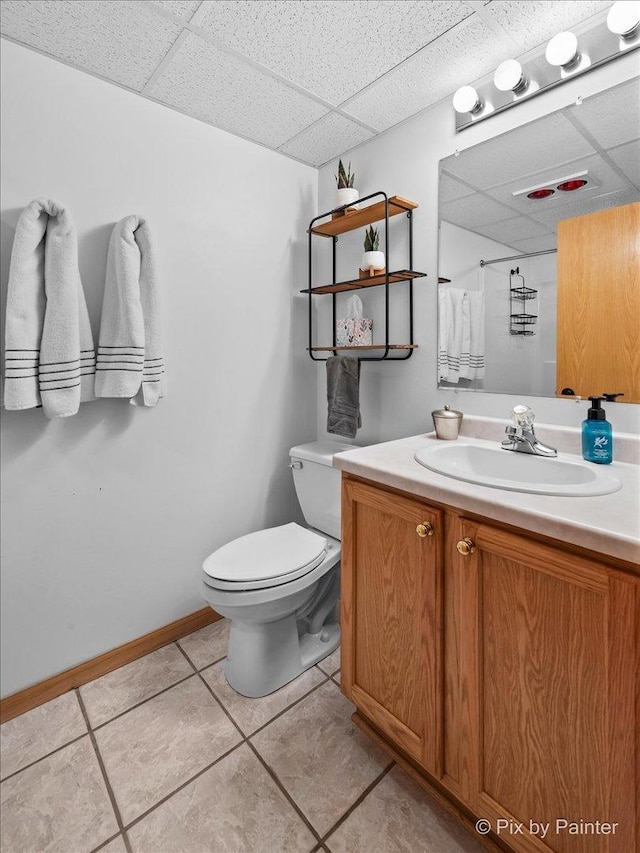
x,y
130,359
50,359
460,335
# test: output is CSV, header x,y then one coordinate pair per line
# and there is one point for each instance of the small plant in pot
x,y
345,193
373,260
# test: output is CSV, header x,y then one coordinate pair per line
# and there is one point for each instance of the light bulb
x,y
562,50
509,76
466,100
624,17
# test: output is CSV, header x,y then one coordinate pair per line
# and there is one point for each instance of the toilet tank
x,y
318,484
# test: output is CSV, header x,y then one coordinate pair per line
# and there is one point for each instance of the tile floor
x,y
162,756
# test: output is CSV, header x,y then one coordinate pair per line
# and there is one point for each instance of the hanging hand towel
x,y
343,396
50,360
472,353
130,359
450,333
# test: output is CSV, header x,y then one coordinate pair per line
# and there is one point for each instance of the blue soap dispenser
x,y
597,440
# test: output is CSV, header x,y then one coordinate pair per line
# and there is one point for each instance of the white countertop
x,y
607,524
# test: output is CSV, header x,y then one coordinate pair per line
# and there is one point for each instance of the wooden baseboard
x,y
50,688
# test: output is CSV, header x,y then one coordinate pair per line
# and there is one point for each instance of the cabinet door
x,y
391,616
552,671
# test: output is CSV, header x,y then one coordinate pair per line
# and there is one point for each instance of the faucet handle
x,y
522,417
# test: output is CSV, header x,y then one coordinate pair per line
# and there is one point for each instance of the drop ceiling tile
x,y
122,41
627,158
449,189
182,9
220,89
533,22
545,144
536,244
329,138
474,210
333,49
516,228
463,54
580,208
611,117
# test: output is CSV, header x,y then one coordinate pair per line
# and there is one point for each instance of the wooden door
x,y
599,303
552,664
391,616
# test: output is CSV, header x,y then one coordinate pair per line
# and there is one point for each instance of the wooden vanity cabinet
x,y
529,706
390,621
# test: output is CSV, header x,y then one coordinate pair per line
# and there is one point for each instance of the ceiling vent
x,y
564,186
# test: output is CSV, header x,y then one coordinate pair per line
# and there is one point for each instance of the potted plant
x,y
372,261
345,193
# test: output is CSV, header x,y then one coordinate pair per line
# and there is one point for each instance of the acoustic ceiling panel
x,y
460,55
219,88
627,159
533,22
613,117
123,41
333,49
182,9
327,139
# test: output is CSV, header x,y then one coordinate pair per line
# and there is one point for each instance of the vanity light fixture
x,y
466,100
624,18
509,77
562,51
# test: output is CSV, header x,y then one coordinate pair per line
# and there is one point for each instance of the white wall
x,y
397,399
522,364
108,515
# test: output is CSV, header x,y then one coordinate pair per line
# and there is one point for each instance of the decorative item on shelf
x,y
354,330
372,260
345,193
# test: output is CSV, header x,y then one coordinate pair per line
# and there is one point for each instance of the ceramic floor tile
x,y
207,645
322,759
331,664
119,690
58,805
36,733
235,806
399,817
151,750
117,845
251,714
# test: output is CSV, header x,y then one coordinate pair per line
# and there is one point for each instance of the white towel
x,y
472,352
50,359
130,358
450,333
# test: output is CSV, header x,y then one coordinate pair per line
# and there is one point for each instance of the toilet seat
x,y
266,558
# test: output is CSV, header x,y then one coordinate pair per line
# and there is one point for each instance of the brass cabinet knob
x,y
466,546
425,529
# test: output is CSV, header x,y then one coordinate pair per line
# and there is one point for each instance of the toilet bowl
x,y
280,587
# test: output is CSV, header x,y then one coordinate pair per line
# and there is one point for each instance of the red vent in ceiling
x,y
569,186
536,194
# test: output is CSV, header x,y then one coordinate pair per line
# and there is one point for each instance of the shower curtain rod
x,y
517,257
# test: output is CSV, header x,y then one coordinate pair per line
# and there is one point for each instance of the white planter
x,y
372,259
347,195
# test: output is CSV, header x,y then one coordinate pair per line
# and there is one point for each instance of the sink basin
x,y
518,472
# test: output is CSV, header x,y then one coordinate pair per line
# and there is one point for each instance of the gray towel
x,y
343,395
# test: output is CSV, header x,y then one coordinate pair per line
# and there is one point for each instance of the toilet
x,y
279,587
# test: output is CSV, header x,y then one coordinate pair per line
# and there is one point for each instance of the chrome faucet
x,y
521,436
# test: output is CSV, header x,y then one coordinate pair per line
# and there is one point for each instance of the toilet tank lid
x,y
320,451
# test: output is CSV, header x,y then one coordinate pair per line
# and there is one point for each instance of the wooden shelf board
x,y
373,346
373,281
363,216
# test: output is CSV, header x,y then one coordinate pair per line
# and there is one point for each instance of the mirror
x,y
521,310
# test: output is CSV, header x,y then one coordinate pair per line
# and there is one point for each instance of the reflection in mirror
x,y
522,310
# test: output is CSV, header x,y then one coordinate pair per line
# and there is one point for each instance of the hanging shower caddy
x,y
521,298
340,224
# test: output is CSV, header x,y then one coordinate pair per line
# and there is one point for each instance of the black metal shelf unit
x,y
349,221
519,295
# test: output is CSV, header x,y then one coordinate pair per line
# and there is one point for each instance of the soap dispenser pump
x,y
597,439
